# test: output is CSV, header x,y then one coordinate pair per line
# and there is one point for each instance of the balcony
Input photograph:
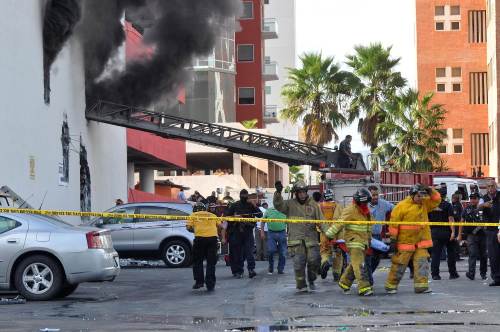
x,y
270,28
270,72
271,114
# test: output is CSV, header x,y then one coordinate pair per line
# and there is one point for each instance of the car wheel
x,y
176,254
67,290
39,278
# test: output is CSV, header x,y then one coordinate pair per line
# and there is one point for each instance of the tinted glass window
x,y
7,224
116,221
152,210
174,212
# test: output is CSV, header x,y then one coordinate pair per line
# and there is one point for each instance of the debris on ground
x,y
15,300
128,262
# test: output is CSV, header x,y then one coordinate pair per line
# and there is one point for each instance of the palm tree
x,y
413,131
250,124
316,94
379,82
296,174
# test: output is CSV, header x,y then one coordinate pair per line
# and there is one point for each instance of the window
x,y
116,221
439,26
247,10
266,2
268,90
441,87
246,96
442,149
478,88
439,11
7,224
458,133
455,25
456,72
245,53
440,72
152,210
267,60
175,212
457,148
477,26
480,149
457,87
454,10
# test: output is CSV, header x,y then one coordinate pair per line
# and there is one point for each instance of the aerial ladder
x,y
234,140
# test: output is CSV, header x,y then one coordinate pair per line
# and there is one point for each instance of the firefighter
x,y
412,241
357,241
302,237
331,211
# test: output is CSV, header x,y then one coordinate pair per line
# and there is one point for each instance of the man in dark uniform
x,y
443,236
457,208
491,213
345,154
241,238
476,238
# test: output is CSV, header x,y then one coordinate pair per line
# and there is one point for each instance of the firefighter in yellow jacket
x,y
357,239
412,241
329,258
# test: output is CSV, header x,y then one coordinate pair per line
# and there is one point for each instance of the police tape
x,y
235,219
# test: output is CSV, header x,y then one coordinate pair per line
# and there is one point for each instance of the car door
x,y
148,233
121,229
12,239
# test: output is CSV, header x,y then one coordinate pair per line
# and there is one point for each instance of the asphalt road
x,y
160,299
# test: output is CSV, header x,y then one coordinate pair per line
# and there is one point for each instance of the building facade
x,y
451,63
253,67
50,152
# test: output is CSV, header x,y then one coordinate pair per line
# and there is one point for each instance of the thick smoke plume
x,y
181,30
61,16
102,33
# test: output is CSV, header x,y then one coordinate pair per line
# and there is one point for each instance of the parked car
x,y
44,258
163,239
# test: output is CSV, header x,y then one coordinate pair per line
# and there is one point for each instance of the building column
x,y
131,175
147,180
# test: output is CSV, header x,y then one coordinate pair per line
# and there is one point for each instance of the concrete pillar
x,y
147,180
130,175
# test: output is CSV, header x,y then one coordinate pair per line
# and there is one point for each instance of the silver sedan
x,y
44,258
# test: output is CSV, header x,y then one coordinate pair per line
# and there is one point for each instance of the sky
x,y
334,27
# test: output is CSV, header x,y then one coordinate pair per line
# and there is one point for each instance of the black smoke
x,y
102,33
182,30
60,18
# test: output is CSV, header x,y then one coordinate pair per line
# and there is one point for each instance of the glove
x,y
279,186
392,246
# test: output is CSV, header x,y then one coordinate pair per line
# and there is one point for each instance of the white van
x,y
463,185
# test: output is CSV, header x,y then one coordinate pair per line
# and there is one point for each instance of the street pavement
x,y
161,299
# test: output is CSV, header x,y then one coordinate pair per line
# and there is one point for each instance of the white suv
x,y
151,238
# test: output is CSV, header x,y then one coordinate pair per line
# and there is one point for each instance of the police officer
x,y
476,238
443,236
303,243
491,212
240,236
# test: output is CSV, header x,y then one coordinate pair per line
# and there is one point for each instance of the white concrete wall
x,y
283,50
28,127
492,61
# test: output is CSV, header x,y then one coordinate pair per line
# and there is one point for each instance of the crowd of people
x,y
352,249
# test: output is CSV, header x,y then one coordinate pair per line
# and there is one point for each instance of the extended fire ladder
x,y
232,139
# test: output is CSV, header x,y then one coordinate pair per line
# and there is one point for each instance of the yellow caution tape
x,y
236,219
